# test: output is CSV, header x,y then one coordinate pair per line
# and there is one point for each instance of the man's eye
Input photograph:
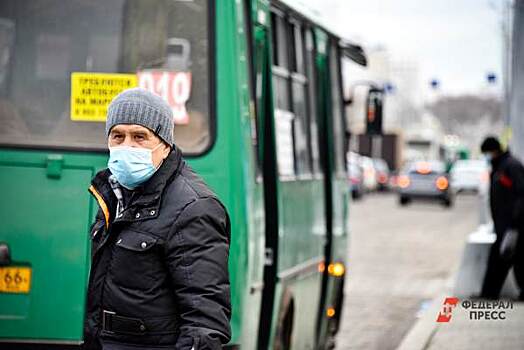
x,y
139,137
117,136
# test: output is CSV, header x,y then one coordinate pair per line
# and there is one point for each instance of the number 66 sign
x,y
173,87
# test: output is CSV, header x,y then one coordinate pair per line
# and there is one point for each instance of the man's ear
x,y
166,150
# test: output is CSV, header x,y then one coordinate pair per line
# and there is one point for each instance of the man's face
x,y
133,135
490,155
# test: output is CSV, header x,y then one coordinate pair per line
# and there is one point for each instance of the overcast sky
x,y
454,41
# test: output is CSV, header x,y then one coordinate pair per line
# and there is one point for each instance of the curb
x,y
420,335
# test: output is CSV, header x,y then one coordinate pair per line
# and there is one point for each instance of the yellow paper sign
x,y
91,93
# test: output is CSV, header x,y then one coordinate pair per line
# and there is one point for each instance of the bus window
x,y
297,48
298,94
337,108
281,91
295,121
280,41
280,63
312,100
43,41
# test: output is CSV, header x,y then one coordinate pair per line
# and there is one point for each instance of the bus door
x,y
325,135
295,215
333,146
267,152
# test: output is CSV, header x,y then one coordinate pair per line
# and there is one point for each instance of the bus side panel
x,y
301,252
46,214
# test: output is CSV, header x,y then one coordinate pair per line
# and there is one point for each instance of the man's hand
x,y
508,245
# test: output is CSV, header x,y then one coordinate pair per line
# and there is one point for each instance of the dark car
x,y
425,180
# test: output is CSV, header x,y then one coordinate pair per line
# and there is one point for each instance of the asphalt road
x,y
399,258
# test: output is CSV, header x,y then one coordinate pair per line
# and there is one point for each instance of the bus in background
x,y
255,88
424,142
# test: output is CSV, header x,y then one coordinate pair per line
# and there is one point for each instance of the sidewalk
x,y
465,330
463,333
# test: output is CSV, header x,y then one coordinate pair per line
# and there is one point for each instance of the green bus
x,y
256,91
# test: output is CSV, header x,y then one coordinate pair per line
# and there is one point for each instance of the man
x,y
507,210
160,243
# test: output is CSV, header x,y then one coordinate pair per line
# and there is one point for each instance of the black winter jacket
x,y
507,193
159,272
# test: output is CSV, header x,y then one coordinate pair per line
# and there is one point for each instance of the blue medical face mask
x,y
131,166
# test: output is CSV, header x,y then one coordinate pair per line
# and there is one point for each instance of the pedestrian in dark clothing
x,y
160,243
507,210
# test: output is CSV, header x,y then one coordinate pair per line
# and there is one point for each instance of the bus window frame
x,y
252,86
285,71
298,76
211,35
312,105
333,47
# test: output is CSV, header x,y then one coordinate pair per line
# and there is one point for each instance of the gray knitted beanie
x,y
139,106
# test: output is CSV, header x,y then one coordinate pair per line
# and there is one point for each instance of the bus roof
x,y
351,50
313,15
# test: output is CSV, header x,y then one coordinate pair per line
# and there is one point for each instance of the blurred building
x,y
516,93
401,79
403,103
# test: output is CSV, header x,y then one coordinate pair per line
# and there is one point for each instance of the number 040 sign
x,y
173,87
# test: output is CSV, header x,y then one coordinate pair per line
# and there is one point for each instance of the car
x,y
469,175
393,179
356,180
370,177
426,180
382,173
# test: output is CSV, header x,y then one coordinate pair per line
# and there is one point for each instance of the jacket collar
x,y
495,162
152,189
149,194
101,190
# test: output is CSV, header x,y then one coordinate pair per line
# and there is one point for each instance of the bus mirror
x,y
354,53
374,111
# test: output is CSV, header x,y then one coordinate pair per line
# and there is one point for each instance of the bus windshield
x,y
43,43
